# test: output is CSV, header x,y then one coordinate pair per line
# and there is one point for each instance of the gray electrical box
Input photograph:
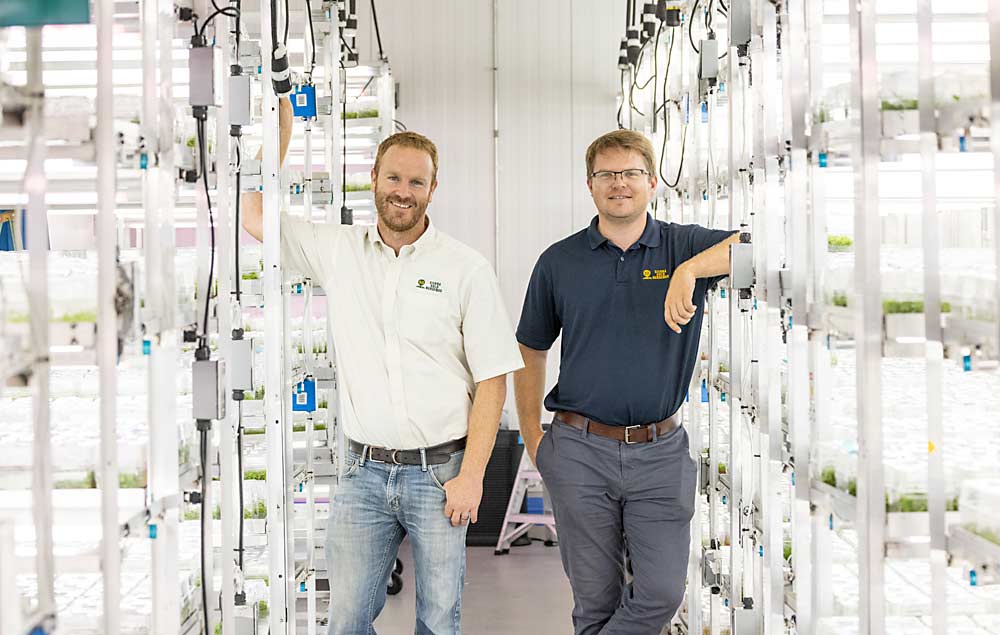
x,y
241,364
239,100
208,389
708,67
205,76
741,266
739,22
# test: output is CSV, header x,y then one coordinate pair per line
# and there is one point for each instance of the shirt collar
x,y
650,235
424,242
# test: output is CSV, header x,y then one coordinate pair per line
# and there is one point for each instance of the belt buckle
x,y
371,457
628,434
395,457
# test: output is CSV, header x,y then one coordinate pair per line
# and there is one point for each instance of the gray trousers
x,y
608,497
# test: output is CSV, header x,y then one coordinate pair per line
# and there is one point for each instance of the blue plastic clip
x,y
704,112
302,587
831,522
967,362
146,347
143,161
152,532
723,397
704,391
972,577
762,551
822,160
723,499
722,293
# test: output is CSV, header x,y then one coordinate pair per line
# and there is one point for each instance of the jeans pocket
x,y
444,472
352,464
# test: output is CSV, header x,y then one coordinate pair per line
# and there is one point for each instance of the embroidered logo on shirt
x,y
656,274
429,285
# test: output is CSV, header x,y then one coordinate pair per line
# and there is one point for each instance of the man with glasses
x,y
615,460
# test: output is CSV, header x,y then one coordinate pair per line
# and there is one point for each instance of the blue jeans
x,y
375,505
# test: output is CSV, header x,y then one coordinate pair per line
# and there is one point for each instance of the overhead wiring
x,y
378,34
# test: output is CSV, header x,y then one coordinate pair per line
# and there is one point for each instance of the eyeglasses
x,y
607,176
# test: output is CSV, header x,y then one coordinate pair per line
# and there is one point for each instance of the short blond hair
x,y
413,140
623,140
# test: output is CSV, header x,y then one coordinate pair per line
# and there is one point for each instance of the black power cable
x,y
378,35
200,115
312,38
203,429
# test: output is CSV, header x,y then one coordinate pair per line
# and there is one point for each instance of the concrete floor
x,y
525,592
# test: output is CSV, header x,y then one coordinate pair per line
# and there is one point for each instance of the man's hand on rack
x,y
678,306
464,493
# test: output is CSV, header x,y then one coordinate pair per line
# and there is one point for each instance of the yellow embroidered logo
x,y
429,285
656,274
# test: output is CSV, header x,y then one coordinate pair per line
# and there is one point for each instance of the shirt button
x,y
622,258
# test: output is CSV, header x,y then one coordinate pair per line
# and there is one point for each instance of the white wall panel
x,y
557,84
441,53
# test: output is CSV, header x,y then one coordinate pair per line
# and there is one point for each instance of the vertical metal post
x,y
226,308
932,323
288,467
38,299
868,333
768,241
797,173
158,22
274,353
310,563
10,599
994,17
107,319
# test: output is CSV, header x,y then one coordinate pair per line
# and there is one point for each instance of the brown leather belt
x,y
625,434
436,455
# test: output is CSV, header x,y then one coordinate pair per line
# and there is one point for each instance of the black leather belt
x,y
436,454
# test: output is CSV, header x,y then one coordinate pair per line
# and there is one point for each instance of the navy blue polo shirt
x,y
620,362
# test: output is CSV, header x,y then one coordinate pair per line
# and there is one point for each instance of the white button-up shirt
x,y
413,333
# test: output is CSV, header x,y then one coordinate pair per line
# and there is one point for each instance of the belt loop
x,y
423,459
656,431
586,428
364,451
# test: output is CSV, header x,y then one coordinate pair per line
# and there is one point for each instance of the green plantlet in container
x,y
829,476
900,104
253,431
79,317
255,475
262,611
787,551
256,512
252,275
839,240
192,514
909,503
951,505
894,307
985,533
852,487
217,513
191,142
136,480
839,299
722,468
358,187
723,368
